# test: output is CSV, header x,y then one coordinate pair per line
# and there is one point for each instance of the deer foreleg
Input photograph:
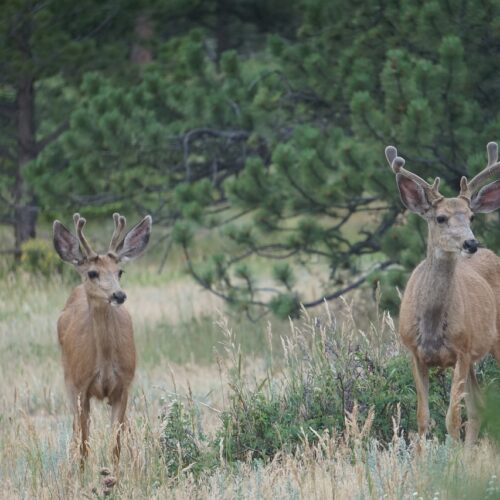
x,y
460,374
118,421
421,377
81,414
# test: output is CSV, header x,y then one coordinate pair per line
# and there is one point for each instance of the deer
x,y
450,309
94,329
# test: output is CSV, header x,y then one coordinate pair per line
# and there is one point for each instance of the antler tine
x,y
492,149
491,168
79,223
116,239
397,165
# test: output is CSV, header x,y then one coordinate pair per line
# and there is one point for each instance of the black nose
x,y
119,297
471,246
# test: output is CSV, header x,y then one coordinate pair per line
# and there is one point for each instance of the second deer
x,y
450,311
95,330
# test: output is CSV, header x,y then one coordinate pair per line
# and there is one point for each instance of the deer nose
x,y
471,246
119,297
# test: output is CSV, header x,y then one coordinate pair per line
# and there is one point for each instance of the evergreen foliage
x,y
45,49
266,124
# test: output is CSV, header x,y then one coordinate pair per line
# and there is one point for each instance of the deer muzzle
x,y
118,297
471,246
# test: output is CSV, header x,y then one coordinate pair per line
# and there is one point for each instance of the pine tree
x,y
279,149
359,77
45,48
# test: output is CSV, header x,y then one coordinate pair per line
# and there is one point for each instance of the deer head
x,y
101,272
448,218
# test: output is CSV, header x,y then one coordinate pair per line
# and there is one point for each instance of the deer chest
x,y
432,340
107,380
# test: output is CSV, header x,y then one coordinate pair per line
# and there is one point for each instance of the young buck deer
x,y
94,329
450,312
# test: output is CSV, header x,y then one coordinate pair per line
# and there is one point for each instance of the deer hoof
x,y
105,471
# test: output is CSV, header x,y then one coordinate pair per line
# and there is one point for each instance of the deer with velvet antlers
x,y
94,329
450,311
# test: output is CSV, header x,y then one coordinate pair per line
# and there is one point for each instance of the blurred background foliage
x,y
262,122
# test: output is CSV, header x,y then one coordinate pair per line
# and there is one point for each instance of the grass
x,y
190,353
199,341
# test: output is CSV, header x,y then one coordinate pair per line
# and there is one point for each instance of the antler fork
x,y
84,244
117,237
397,165
469,188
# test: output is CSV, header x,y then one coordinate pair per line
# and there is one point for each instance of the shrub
x,y
489,374
182,441
391,393
38,256
332,378
326,372
330,373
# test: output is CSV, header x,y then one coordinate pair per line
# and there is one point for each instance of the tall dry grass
x,y
37,459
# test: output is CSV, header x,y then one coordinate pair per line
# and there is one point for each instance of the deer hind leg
x,y
474,403
457,393
118,421
421,377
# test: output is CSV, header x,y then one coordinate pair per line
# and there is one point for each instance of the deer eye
x,y
93,275
441,219
472,217
120,273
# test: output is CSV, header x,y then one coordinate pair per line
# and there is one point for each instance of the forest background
x,y
262,123
253,132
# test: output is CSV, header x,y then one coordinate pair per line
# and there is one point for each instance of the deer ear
x,y
67,245
487,199
135,240
412,195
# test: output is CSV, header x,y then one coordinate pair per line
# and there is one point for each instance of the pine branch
x,y
97,199
54,135
352,286
208,287
231,135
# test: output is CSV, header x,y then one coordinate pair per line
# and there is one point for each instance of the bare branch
x,y
232,135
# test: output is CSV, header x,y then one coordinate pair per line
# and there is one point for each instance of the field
x,y
191,355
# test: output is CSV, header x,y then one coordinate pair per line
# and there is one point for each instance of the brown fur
x,y
450,311
98,353
451,320
95,331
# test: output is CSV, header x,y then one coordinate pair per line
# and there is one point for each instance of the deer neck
x,y
104,328
439,276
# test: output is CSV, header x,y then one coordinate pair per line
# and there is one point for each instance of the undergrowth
x,y
331,376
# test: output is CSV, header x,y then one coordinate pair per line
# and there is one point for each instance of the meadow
x,y
253,132
225,408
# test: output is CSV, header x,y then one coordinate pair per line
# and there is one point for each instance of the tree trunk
x,y
221,27
25,209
